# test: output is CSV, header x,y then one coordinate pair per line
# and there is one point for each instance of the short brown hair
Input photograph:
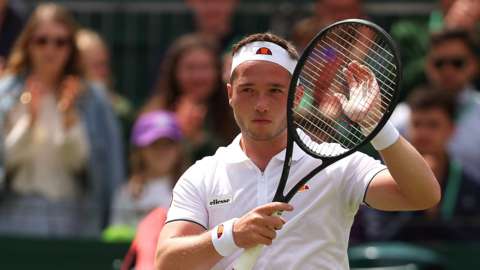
x,y
426,98
269,37
439,38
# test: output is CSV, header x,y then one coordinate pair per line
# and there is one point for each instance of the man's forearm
x,y
187,252
412,174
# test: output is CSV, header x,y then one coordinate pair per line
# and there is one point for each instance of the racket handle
x,y
247,260
249,257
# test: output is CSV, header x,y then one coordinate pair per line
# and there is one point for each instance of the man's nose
x,y
262,103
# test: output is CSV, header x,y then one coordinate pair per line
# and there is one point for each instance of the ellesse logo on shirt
x,y
220,200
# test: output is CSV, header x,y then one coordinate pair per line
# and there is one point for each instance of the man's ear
x,y
230,93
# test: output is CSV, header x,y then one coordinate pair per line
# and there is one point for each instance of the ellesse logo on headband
x,y
264,50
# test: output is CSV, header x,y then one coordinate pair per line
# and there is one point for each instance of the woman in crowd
x,y
61,146
190,84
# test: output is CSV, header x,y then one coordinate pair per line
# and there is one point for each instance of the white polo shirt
x,y
229,184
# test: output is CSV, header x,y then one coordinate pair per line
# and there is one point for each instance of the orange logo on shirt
x,y
264,50
304,188
219,231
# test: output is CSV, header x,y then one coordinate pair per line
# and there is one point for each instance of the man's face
x,y
258,97
430,130
450,66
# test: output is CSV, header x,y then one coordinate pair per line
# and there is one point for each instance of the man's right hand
x,y
259,225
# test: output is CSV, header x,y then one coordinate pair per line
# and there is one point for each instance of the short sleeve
x,y
188,201
359,172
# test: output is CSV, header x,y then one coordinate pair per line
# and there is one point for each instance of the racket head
x,y
319,75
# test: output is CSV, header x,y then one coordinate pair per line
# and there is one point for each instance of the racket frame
x,y
292,135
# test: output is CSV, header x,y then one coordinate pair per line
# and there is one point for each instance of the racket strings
x,y
372,67
338,86
375,53
333,122
340,81
333,107
338,89
376,70
325,126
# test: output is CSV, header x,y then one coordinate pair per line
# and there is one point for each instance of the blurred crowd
x,y
78,159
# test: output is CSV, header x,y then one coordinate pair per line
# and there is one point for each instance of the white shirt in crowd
x,y
128,210
228,185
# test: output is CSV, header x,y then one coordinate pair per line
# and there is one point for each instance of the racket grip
x,y
247,260
249,257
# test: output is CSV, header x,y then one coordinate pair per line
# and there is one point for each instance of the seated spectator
x,y
61,147
156,162
190,84
451,65
430,127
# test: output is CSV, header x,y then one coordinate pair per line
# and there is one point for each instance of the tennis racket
x,y
343,90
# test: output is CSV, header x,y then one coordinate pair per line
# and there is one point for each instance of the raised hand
x,y
70,90
32,96
363,104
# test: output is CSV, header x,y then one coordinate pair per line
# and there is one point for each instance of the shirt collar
x,y
235,154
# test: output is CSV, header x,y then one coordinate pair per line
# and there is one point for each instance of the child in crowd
x,y
156,163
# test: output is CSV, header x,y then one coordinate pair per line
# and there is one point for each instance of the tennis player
x,y
222,204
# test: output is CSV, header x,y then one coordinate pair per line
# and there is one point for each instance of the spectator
x,y
458,14
156,163
213,20
190,85
412,34
96,59
451,66
11,25
61,147
431,126
325,13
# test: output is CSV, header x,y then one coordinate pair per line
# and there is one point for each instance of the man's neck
x,y
261,152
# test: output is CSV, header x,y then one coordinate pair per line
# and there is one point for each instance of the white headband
x,y
264,51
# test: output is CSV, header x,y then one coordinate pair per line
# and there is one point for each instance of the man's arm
x,y
187,245
409,183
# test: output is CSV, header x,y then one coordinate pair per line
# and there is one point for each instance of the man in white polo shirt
x,y
221,204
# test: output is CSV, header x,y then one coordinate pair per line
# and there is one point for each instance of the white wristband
x,y
222,238
387,136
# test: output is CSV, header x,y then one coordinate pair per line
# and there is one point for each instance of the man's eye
x,y
276,90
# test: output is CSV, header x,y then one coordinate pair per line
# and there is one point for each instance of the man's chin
x,y
262,136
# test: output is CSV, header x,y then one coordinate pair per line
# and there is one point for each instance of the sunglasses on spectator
x,y
58,42
456,62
